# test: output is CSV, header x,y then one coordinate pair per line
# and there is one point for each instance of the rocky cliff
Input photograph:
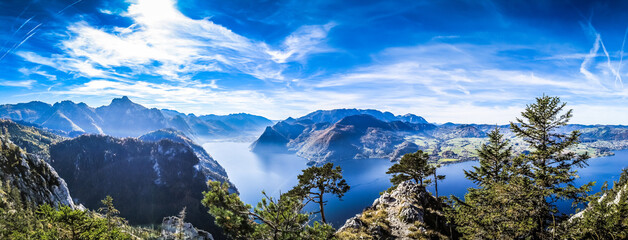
x,y
37,182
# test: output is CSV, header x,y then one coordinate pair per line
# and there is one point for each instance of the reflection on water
x,y
276,173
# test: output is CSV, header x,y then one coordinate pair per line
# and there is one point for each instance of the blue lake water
x,y
252,173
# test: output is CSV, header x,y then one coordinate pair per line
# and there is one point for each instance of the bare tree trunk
x,y
321,203
435,184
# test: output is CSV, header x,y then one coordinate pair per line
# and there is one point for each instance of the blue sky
x,y
459,61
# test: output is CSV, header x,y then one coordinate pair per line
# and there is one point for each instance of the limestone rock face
x,y
170,230
37,182
399,214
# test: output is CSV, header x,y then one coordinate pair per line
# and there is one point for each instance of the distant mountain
x,y
124,118
336,135
36,181
332,116
354,136
148,180
28,112
70,117
242,121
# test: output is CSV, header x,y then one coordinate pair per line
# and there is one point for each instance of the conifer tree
x,y
272,218
412,166
495,158
315,182
436,178
551,165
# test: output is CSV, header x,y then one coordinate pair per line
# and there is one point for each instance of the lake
x,y
277,173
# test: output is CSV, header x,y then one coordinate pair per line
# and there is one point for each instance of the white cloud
x,y
164,42
305,40
23,84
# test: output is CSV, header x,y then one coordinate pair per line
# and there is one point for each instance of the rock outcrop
x,y
172,228
37,182
407,212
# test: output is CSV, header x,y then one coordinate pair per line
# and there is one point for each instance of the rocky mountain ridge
x,y
124,118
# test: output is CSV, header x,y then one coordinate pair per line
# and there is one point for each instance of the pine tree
x,y
315,182
412,166
551,166
495,158
111,215
272,218
229,212
606,217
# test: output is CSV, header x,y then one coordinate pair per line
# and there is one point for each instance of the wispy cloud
x,y
305,40
164,42
22,84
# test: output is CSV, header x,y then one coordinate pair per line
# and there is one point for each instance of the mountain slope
x,y
28,112
124,118
149,180
71,117
33,140
244,121
332,116
375,134
208,166
37,182
352,137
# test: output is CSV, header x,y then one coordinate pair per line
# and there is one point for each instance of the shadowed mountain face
x,y
207,165
148,180
124,118
336,135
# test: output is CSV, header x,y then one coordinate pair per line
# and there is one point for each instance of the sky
x,y
462,61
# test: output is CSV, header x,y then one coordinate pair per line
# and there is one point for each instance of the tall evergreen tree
x,y
517,196
315,182
551,166
495,158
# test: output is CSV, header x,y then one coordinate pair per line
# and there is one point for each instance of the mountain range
x,y
124,118
336,135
